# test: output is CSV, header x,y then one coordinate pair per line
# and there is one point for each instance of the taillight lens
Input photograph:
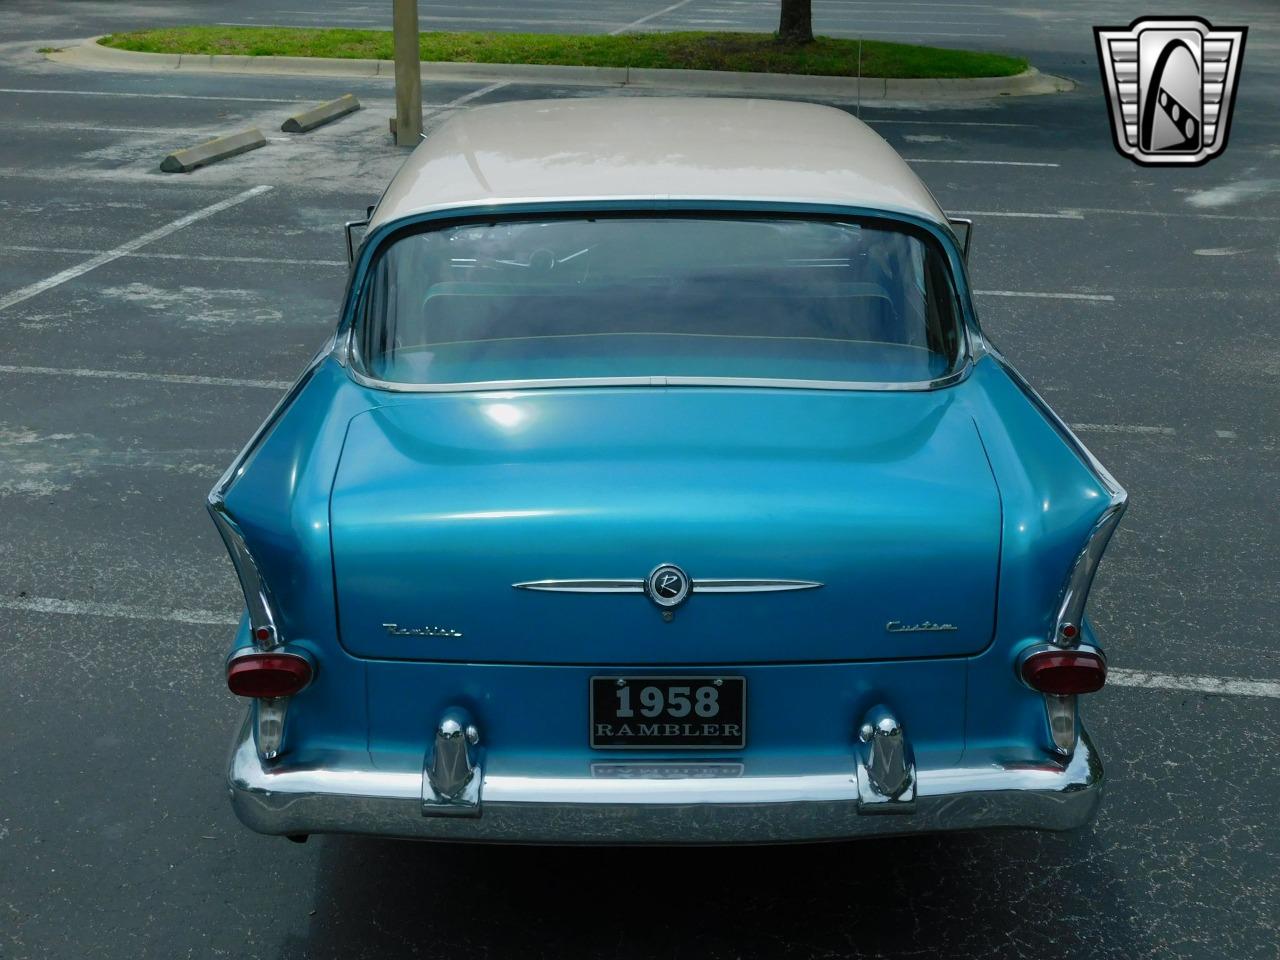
x,y
1065,672
264,675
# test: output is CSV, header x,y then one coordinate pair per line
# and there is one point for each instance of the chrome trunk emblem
x,y
668,586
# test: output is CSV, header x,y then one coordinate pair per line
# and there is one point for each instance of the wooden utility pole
x,y
404,26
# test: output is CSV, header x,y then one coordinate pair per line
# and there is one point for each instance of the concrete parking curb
x,y
319,115
92,55
184,161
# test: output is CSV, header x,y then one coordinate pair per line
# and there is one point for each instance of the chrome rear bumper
x,y
283,798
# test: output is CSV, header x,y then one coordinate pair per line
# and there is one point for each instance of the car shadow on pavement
x,y
981,895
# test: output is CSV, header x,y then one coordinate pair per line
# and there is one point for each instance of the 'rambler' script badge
x,y
398,631
925,626
1170,84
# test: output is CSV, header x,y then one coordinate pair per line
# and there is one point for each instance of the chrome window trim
x,y
966,319
483,386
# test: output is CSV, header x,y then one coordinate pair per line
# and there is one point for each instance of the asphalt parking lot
x,y
1142,303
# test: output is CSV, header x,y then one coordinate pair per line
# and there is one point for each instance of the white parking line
x,y
139,375
468,97
203,257
150,96
1027,214
1123,428
1079,213
983,163
31,290
96,608
949,123
1169,681
1173,213
653,16
873,32
1105,297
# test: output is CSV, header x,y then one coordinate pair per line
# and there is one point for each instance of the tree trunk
x,y
796,23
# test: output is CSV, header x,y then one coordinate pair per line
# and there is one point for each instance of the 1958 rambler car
x,y
657,486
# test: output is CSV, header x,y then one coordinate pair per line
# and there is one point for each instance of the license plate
x,y
668,713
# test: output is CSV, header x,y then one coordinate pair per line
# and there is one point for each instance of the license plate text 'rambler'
x,y
668,713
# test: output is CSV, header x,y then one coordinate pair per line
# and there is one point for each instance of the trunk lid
x,y
442,502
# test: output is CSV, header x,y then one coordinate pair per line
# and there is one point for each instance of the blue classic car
x,y
656,486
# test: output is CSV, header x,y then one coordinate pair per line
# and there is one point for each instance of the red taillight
x,y
1065,672
268,675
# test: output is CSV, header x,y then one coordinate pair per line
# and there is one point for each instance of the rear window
x,y
682,297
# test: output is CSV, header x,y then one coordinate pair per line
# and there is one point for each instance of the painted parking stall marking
x,y
653,16
40,286
139,375
945,123
1131,428
473,95
202,257
98,608
1062,215
149,96
1102,297
1166,681
982,163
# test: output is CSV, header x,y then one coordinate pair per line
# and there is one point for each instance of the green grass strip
x,y
693,50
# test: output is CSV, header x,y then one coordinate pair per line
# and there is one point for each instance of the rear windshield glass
x,y
695,297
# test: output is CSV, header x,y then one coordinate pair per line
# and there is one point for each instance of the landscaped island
x,y
693,50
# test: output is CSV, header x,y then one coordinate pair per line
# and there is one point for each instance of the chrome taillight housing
x,y
1062,675
266,672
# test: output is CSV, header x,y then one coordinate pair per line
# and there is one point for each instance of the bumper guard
x,y
290,798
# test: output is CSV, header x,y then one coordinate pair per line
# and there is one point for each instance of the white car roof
x,y
654,148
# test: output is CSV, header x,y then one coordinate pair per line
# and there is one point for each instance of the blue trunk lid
x,y
442,502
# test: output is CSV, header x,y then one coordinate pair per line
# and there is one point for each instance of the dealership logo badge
x,y
1170,84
